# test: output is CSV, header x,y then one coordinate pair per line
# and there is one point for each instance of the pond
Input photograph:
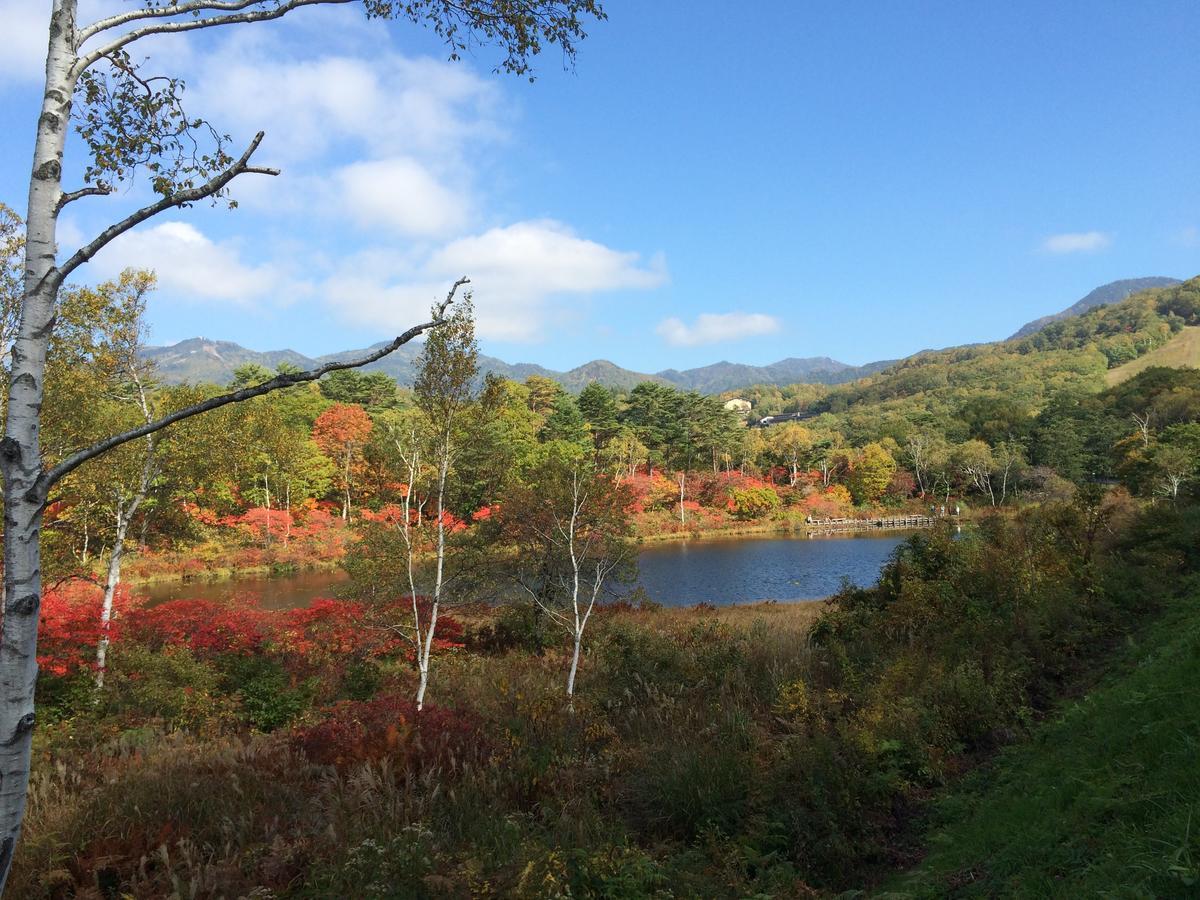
x,y
720,572
745,570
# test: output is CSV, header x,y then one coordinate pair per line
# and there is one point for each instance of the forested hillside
x,y
997,390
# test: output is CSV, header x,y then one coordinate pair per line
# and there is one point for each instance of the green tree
x,y
870,473
543,394
565,423
444,396
374,391
599,408
791,444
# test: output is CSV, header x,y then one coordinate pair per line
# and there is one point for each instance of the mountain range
x,y
204,360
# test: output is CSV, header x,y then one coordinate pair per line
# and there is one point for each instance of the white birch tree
x,y
565,537
132,123
427,442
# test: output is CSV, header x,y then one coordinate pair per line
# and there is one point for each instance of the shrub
x,y
517,626
754,502
171,685
269,699
206,627
353,731
690,788
618,873
69,631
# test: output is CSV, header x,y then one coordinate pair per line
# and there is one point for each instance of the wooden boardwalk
x,y
830,525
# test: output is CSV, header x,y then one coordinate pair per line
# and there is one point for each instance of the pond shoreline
x,y
215,576
725,568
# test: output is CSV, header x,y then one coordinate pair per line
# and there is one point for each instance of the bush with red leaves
x,y
70,626
260,523
353,731
329,630
205,626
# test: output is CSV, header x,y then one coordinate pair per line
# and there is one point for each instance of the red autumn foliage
x,y
830,503
341,428
341,432
485,512
205,626
200,514
326,633
390,514
389,726
330,632
650,492
70,626
393,514
452,522
716,489
903,484
259,522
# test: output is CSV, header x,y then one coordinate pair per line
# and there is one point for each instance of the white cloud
x,y
401,195
387,104
400,147
1077,242
713,328
544,257
25,33
26,28
188,263
385,142
514,272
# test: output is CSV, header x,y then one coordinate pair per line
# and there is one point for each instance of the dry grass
x,y
1182,350
785,616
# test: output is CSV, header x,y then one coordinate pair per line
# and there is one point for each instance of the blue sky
x,y
857,181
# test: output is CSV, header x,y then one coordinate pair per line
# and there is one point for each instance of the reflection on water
x,y
739,570
282,592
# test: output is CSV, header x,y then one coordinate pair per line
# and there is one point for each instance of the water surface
x,y
720,572
745,570
279,592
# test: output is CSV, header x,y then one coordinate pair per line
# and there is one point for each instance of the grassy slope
x,y
1181,350
1103,802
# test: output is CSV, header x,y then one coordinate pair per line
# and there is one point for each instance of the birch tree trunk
x,y
125,511
425,649
20,451
267,493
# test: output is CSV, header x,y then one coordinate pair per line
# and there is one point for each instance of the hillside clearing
x,y
1182,350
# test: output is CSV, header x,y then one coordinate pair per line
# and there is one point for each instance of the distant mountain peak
x,y
1113,292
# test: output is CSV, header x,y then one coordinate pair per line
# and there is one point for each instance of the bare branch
x,y
97,190
161,12
182,198
236,18
52,476
551,612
